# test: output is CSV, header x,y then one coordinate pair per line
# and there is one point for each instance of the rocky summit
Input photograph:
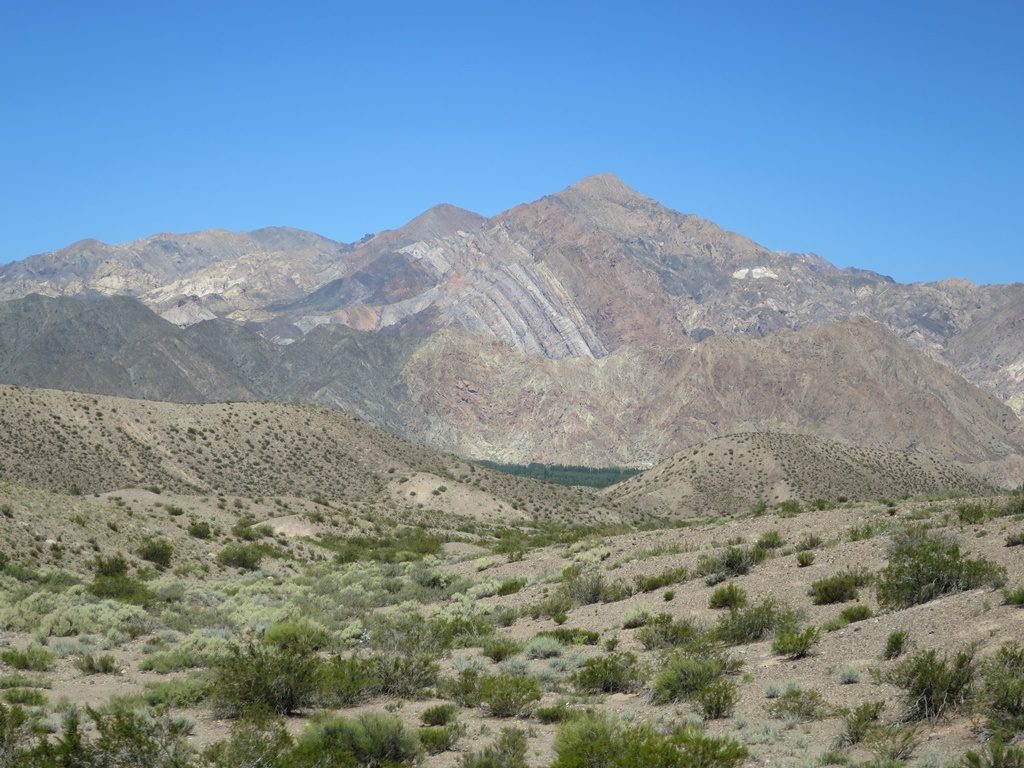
x,y
591,326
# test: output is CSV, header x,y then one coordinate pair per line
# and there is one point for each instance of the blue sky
x,y
879,134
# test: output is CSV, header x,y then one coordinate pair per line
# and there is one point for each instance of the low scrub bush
x,y
507,751
682,676
661,631
755,623
371,739
997,754
34,658
499,648
657,581
572,635
934,685
96,665
854,613
611,673
858,722
436,739
1014,596
257,678
1002,690
718,699
895,644
602,741
157,551
804,559
543,647
924,565
508,695
799,704
439,714
244,556
1015,539
839,588
728,596
732,561
795,644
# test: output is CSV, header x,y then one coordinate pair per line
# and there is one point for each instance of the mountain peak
x,y
602,186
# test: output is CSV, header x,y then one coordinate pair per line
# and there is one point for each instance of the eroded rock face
x,y
594,325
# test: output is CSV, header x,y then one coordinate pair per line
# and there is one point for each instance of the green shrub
x,y
121,588
508,695
661,631
611,673
436,739
858,722
464,688
572,635
439,714
96,665
499,648
804,559
510,587
26,697
849,676
854,613
1002,690
259,678
404,676
837,589
296,633
657,581
200,529
798,704
602,741
934,685
728,596
770,540
181,693
732,561
996,755
794,644
345,681
682,676
543,647
34,658
507,751
371,739
555,713
636,616
157,551
895,644
1014,596
1015,539
924,565
755,623
718,699
243,556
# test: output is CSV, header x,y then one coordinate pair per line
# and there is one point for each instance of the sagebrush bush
x,y
611,673
653,582
371,739
96,665
507,751
682,676
924,565
439,714
34,658
718,699
244,556
934,684
436,739
345,681
543,647
1002,690
895,644
840,588
858,722
799,704
259,678
804,559
602,741
158,551
728,596
508,695
662,631
796,644
854,613
755,623
296,633
499,648
732,561
572,635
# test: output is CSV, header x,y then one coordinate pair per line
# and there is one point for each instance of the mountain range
x,y
593,326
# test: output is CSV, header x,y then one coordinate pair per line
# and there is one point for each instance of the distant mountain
x,y
736,472
594,325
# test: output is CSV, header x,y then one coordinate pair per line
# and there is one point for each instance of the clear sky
x,y
888,135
